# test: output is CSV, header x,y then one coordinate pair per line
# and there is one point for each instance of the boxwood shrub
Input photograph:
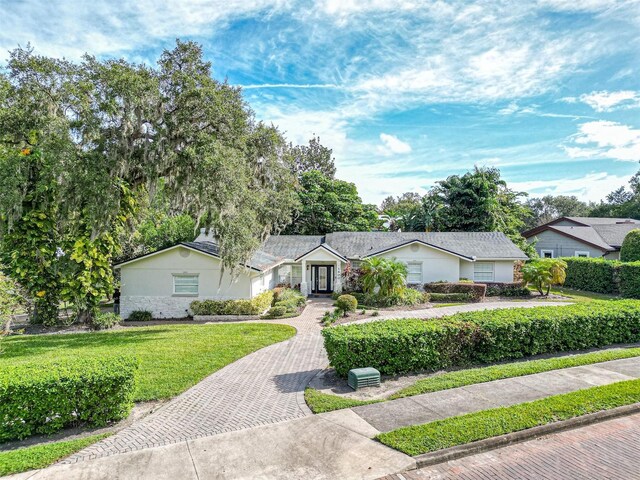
x,y
630,279
254,306
406,297
44,397
451,297
507,289
398,346
592,274
477,291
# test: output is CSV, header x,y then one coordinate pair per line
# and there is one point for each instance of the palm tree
x,y
390,276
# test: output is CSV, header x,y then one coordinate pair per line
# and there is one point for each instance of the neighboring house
x,y
581,237
167,281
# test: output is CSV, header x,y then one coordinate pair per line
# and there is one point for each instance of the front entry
x,y
322,278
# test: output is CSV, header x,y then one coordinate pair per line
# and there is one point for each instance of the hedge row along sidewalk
x,y
411,345
433,436
320,402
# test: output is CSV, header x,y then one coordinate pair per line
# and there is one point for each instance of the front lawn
x,y
172,357
449,432
580,295
40,456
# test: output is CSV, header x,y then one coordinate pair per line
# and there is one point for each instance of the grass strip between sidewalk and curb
x,y
463,429
40,456
320,402
460,378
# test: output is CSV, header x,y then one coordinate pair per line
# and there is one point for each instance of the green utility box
x,y
363,377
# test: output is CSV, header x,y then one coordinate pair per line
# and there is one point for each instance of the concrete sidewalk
x,y
387,416
331,446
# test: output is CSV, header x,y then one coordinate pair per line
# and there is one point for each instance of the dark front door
x,y
322,279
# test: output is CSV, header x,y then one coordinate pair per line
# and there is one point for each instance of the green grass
x,y
460,378
40,456
322,402
472,427
581,296
440,305
172,357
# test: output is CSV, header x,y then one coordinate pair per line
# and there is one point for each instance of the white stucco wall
x,y
502,270
147,284
436,265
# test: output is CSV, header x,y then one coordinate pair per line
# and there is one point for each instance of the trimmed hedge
x,y
45,397
629,274
253,306
507,289
451,297
408,297
477,291
399,346
592,274
630,251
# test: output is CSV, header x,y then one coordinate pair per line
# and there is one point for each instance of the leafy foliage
x,y
547,208
346,303
254,306
140,316
104,321
44,397
312,157
630,251
80,141
406,296
469,291
630,279
480,337
330,205
542,273
507,289
592,274
388,275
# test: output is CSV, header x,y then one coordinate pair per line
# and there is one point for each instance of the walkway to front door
x,y
322,278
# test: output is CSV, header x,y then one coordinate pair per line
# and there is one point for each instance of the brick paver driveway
x,y
264,387
608,450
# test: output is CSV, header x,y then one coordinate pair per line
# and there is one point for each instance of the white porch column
x,y
338,283
303,283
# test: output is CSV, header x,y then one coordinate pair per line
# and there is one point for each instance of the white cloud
x,y
605,139
393,145
591,187
607,101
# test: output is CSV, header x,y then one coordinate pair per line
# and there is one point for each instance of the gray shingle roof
x,y
482,245
614,234
601,220
260,260
586,234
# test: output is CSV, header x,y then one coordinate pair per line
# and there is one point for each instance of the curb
x,y
460,451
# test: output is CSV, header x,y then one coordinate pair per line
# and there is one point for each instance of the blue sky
x,y
405,92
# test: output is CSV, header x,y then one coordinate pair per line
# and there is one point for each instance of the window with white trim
x,y
583,254
546,253
414,272
185,284
483,271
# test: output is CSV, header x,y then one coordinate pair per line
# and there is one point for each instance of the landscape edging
x,y
480,446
